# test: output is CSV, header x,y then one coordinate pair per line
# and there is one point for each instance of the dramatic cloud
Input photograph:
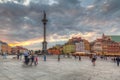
x,y
20,20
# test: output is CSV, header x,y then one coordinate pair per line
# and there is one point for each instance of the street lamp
x,y
44,43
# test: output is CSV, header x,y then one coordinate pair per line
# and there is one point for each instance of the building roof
x,y
1,42
115,38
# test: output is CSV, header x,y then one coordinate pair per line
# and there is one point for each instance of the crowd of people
x,y
116,60
30,57
93,58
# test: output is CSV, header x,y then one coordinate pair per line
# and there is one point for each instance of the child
x,y
36,59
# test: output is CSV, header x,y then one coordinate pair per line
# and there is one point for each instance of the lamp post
x,y
44,43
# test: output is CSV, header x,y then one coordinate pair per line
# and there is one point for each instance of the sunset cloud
x,y
55,38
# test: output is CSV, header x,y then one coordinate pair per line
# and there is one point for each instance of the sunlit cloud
x,y
88,35
26,2
20,20
51,2
22,2
54,38
90,7
26,43
113,29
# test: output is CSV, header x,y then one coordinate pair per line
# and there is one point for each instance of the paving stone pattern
x,y
66,69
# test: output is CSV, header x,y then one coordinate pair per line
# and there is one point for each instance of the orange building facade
x,y
54,51
6,48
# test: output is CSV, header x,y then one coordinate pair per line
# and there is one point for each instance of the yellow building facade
x,y
69,48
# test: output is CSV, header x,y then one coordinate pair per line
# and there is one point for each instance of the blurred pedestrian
x,y
18,54
26,57
36,59
114,59
75,56
21,55
68,55
4,55
32,58
79,58
58,57
44,57
118,60
94,57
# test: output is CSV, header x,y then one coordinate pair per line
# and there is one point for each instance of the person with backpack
x,y
26,54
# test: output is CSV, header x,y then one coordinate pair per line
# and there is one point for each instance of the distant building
x,y
76,44
57,46
53,51
4,47
68,48
106,46
74,40
57,49
80,47
83,46
18,48
87,46
97,47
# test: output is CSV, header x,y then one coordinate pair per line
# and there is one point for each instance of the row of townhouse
x,y
106,45
74,45
4,47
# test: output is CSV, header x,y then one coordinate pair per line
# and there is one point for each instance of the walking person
x,y
79,58
21,55
75,56
58,57
114,59
94,57
26,57
4,55
18,54
32,58
68,55
44,57
36,59
118,60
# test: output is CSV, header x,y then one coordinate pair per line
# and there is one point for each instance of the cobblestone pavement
x,y
66,69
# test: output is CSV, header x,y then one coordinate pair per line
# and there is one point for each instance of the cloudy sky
x,y
20,20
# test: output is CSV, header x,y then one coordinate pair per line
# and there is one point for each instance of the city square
x,y
65,69
59,40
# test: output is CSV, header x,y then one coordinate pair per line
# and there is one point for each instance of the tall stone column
x,y
44,43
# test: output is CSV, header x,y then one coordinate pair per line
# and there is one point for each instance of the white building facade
x,y
80,47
